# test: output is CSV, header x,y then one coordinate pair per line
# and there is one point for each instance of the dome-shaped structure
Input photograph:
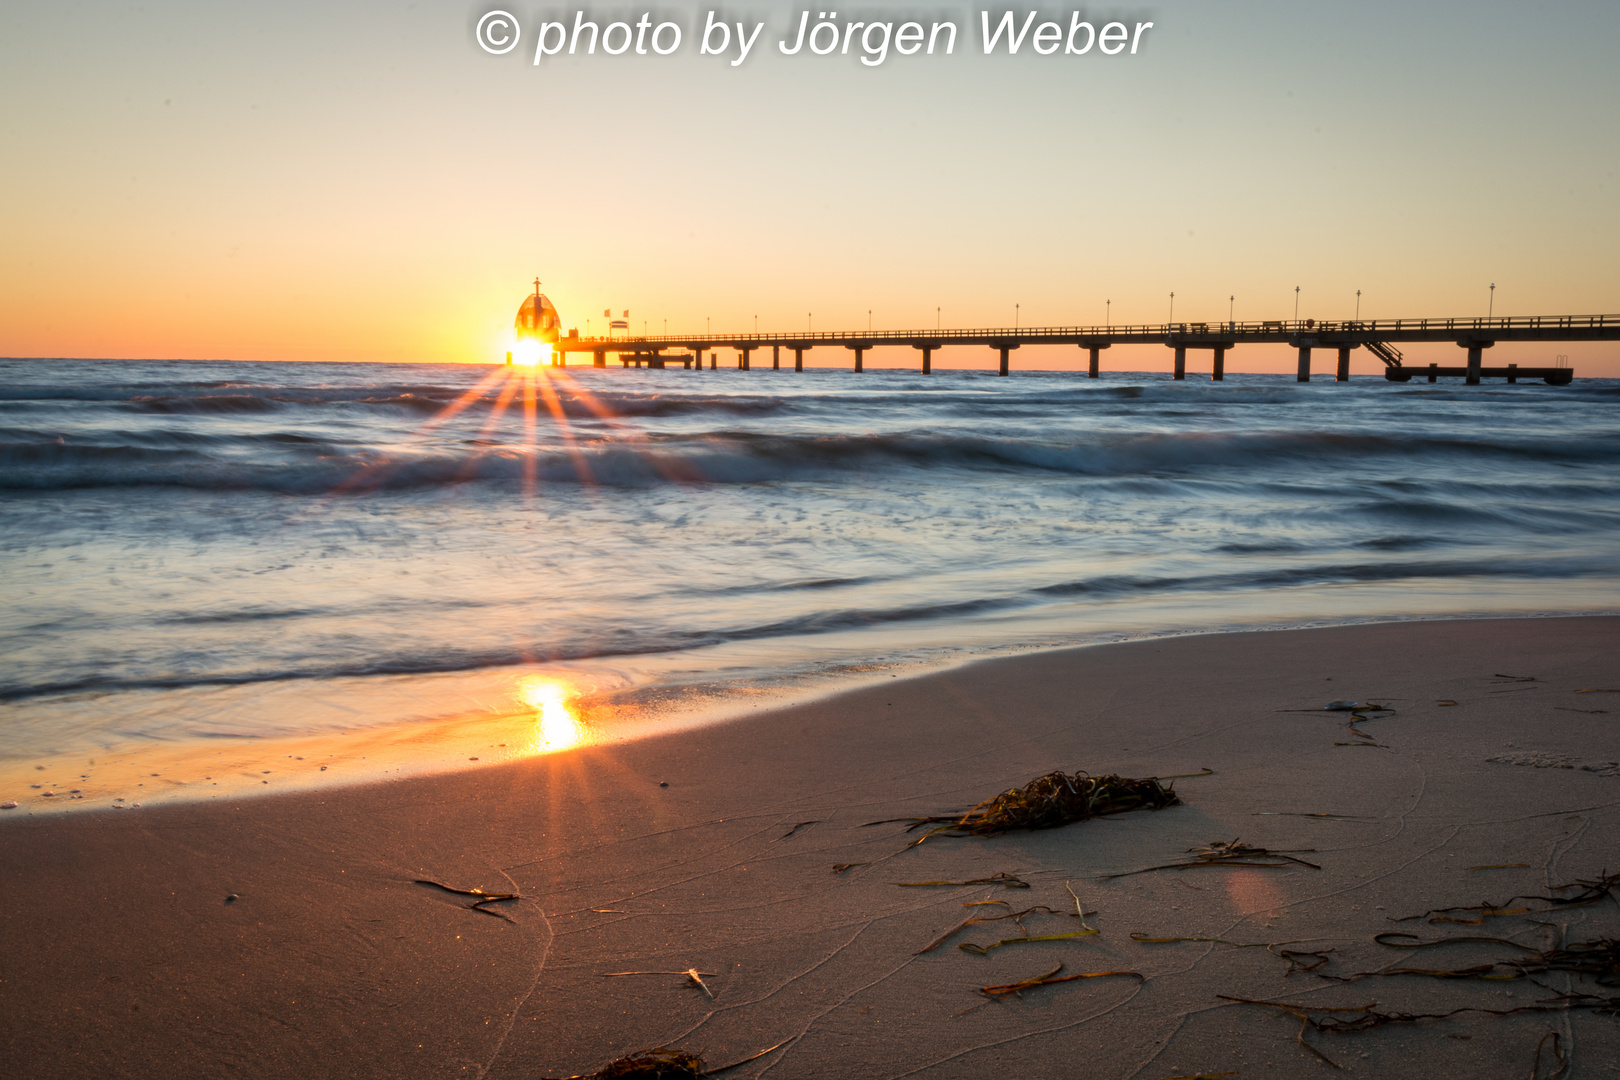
x,y
542,325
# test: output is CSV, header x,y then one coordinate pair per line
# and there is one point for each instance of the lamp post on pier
x,y
1172,308
1296,306
1490,311
1358,305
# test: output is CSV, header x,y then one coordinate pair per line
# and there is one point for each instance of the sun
x,y
529,352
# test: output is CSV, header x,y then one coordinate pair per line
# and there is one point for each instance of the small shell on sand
x,y
9,804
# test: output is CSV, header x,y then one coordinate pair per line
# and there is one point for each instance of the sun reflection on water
x,y
555,725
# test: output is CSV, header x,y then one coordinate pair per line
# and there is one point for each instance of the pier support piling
x,y
1217,371
1304,364
1343,374
714,359
1004,352
927,355
798,359
1474,354
776,357
860,353
1434,372
599,358
1513,373
1181,362
1095,348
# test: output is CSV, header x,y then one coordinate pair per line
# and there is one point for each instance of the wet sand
x,y
284,936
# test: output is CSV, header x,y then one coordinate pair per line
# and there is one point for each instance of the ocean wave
x,y
749,457
411,400
584,642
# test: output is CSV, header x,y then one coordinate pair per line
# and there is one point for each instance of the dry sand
x,y
120,955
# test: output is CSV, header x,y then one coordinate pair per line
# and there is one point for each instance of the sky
x,y
363,181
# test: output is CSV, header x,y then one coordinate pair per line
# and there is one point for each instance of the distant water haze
x,y
213,553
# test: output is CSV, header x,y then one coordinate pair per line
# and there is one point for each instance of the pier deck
x,y
1378,336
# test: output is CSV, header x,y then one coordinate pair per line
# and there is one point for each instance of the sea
x,y
202,553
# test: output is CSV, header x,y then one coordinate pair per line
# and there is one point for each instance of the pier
x,y
1308,336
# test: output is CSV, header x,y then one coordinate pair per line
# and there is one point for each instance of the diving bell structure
x,y
537,319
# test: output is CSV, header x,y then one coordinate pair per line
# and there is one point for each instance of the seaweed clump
x,y
659,1063
1051,801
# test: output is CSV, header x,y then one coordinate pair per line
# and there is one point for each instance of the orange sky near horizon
x,y
304,183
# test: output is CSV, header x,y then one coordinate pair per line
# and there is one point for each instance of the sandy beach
x,y
286,936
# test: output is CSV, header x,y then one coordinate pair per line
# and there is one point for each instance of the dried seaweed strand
x,y
1294,813
1420,943
1005,880
1016,989
1079,908
1588,891
1016,916
1599,958
1296,960
985,950
483,897
1479,971
1558,1056
1228,853
1486,912
796,828
1144,939
751,1057
1366,1017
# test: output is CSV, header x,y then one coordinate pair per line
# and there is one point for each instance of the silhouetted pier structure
x,y
1378,336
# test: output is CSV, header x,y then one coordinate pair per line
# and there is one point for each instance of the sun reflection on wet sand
x,y
535,715
555,725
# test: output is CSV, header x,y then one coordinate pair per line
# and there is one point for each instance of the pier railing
x,y
1376,335
1521,327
